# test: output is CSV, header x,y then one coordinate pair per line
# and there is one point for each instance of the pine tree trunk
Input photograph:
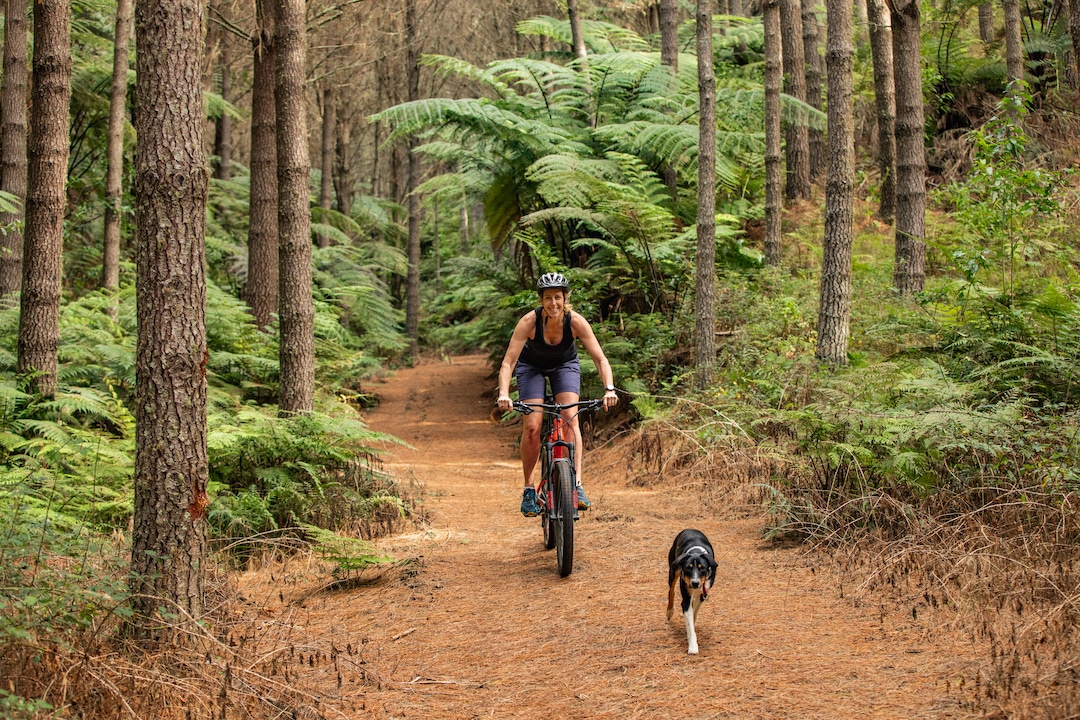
x,y
13,143
46,198
835,299
343,174
168,552
859,19
577,37
463,226
1014,52
326,187
814,64
223,124
774,182
735,7
881,50
986,22
261,289
909,268
110,264
798,137
705,262
435,249
669,56
296,309
669,34
1074,35
412,286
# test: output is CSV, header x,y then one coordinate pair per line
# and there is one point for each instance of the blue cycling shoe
x,y
582,499
529,506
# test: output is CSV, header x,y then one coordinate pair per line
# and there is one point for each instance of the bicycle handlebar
x,y
556,408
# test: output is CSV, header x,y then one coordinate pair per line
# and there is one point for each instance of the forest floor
x,y
474,621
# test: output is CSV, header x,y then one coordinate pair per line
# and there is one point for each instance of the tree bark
x,y
168,552
296,309
223,124
343,174
798,137
261,289
669,56
669,34
884,104
13,143
412,287
813,64
834,312
705,264
1014,51
110,264
735,7
46,198
329,134
463,225
986,22
909,268
860,21
577,37
435,249
1074,35
774,183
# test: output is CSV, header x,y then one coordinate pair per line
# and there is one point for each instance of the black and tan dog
x,y
692,565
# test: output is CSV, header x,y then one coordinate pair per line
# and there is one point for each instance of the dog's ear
x,y
712,565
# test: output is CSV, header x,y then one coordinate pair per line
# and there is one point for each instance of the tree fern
x,y
600,37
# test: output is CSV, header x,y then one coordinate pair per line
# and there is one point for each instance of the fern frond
x,y
446,65
474,115
346,553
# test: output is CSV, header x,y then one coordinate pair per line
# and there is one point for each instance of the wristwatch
x,y
609,388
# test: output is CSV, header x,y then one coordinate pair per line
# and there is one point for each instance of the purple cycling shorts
x,y
564,378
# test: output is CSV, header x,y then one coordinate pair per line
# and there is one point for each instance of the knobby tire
x,y
563,523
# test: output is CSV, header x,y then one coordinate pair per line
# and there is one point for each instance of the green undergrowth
x,y
67,464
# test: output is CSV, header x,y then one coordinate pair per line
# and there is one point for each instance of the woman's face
x,y
553,300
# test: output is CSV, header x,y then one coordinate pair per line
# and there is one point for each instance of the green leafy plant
x,y
1004,196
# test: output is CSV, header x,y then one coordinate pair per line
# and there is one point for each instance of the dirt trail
x,y
482,626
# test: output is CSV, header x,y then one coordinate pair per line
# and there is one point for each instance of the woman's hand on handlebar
x,y
505,403
611,399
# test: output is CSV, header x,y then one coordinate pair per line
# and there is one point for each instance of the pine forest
x,y
830,250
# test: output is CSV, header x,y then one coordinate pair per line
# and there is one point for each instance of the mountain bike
x,y
556,492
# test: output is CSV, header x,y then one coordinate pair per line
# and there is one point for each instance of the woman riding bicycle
x,y
542,346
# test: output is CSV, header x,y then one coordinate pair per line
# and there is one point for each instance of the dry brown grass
x,y
1007,574
238,662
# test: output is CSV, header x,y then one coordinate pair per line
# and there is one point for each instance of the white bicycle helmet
x,y
553,280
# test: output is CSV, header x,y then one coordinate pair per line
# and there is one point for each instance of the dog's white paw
x,y
692,650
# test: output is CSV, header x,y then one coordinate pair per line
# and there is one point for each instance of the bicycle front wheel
x,y
563,522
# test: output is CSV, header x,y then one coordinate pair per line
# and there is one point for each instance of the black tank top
x,y
539,354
